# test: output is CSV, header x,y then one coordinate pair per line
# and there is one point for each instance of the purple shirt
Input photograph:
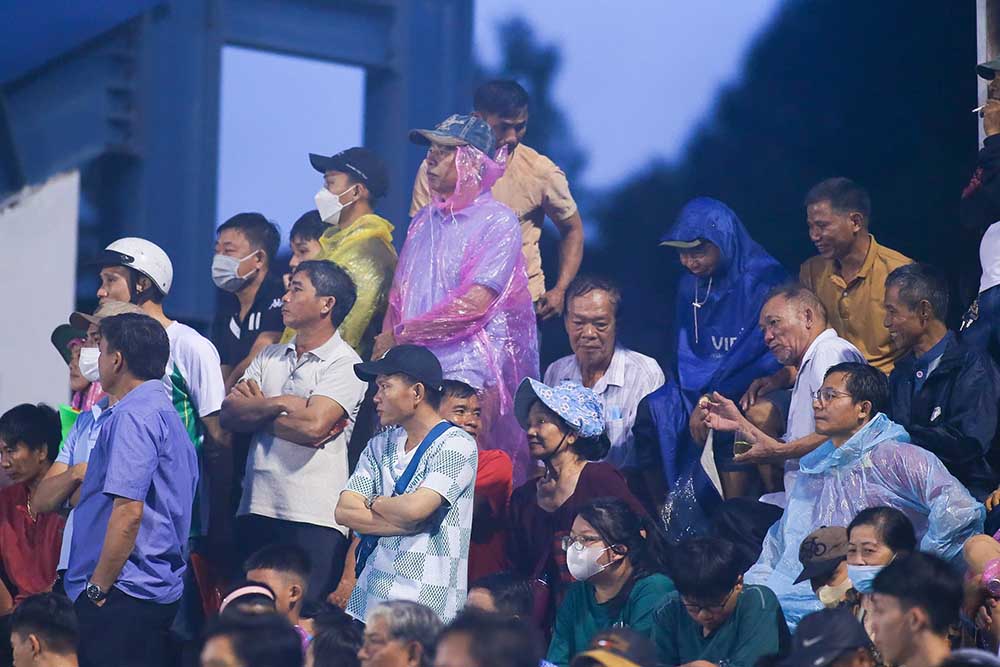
x,y
142,453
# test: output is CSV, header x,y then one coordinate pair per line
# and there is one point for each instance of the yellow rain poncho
x,y
364,249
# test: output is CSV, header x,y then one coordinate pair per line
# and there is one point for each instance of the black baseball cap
x,y
823,637
618,647
361,163
414,360
822,551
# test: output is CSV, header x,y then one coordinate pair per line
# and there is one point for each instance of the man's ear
x,y
414,654
857,220
295,594
36,645
328,308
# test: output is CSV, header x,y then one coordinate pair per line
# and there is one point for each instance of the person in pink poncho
x,y
460,287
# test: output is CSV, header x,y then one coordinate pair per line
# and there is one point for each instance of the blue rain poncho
x,y
877,466
719,348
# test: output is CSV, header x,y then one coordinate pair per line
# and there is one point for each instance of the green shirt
x,y
580,616
755,628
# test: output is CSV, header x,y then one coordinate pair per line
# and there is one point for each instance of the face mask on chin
x,y
329,206
88,363
832,596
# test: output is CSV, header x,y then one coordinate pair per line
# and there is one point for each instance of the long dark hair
x,y
621,526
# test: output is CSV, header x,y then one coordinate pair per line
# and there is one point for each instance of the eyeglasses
x,y
581,542
696,608
439,152
827,394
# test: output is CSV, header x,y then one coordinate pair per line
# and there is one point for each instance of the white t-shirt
x,y
989,257
827,350
194,383
295,482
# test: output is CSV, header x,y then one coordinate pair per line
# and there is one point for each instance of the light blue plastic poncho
x,y
877,466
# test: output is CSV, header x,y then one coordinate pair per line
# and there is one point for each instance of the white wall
x,y
38,231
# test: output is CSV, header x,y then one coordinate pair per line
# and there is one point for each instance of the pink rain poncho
x,y
461,290
877,466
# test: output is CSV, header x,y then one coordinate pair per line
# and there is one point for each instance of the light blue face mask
x,y
863,576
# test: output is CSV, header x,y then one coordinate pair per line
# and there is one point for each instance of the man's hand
x,y
696,424
247,389
722,413
992,500
550,304
765,385
384,342
991,117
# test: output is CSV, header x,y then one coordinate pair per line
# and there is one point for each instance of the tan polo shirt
x,y
857,311
533,187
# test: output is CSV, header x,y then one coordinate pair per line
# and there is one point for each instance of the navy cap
x,y
414,360
823,637
458,130
361,163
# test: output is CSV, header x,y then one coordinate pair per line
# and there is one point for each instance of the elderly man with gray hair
x,y
942,391
400,633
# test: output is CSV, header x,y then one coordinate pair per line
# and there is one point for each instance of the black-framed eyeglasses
x,y
827,394
695,608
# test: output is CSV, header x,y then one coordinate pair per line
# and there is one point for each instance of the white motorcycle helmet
x,y
145,257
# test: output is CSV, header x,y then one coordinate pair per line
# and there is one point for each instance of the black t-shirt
x,y
233,337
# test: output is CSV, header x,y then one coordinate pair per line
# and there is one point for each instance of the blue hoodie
x,y
729,352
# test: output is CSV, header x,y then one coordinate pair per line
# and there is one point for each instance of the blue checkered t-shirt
x,y
430,567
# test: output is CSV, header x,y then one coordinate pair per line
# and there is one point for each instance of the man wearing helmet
x,y
138,271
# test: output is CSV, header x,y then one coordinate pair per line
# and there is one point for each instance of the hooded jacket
x,y
876,466
954,415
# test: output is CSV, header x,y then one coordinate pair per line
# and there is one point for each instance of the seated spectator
x,y
877,536
619,647
619,376
410,498
44,632
565,427
866,461
502,593
30,543
823,554
982,586
249,597
61,483
714,617
478,639
251,640
336,637
830,638
494,483
304,240
299,400
285,569
142,473
719,348
849,273
460,288
399,633
943,392
619,559
355,238
915,602
248,316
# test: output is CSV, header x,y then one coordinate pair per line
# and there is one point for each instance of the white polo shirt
x,y
827,350
294,482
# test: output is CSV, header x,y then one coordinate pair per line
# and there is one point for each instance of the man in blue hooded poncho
x,y
719,348
868,460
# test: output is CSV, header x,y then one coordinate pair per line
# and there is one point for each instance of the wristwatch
x,y
94,593
370,501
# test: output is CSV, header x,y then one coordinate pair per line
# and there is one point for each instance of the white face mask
x,y
582,562
88,363
832,596
225,272
329,206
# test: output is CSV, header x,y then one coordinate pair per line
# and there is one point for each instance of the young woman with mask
x,y
876,536
619,559
565,428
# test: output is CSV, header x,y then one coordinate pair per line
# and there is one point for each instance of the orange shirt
x,y
856,311
533,187
494,484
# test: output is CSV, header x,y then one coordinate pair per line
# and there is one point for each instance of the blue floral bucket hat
x,y
578,406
